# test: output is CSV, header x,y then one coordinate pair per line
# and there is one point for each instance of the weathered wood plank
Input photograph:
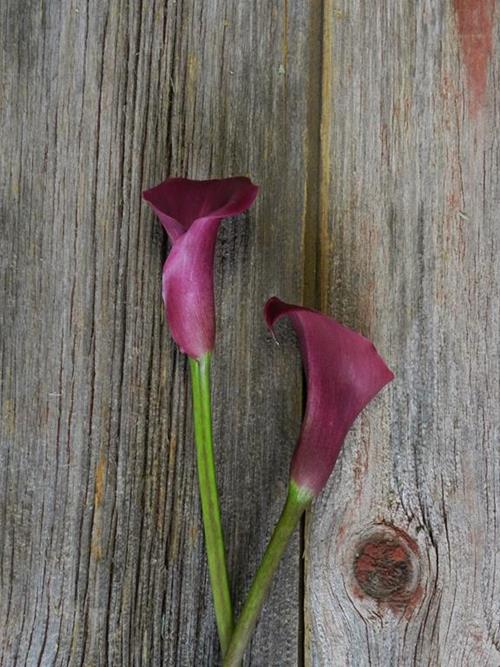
x,y
378,153
410,230
102,556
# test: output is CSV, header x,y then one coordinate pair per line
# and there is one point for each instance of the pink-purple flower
x,y
190,212
344,372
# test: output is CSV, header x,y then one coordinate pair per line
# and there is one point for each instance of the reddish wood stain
x,y
383,568
386,571
475,26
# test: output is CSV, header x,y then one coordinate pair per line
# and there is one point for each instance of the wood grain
x,y
411,250
380,196
102,553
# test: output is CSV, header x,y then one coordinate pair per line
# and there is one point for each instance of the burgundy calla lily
x,y
344,372
190,212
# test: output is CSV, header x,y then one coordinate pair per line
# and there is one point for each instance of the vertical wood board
x,y
102,556
410,246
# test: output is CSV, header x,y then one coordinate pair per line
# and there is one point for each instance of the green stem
x,y
210,507
297,501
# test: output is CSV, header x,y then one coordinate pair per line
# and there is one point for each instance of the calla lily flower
x,y
190,212
344,372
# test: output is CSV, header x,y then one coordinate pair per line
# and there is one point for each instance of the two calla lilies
x,y
343,370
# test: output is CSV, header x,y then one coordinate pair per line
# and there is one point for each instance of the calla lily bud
x,y
190,212
344,372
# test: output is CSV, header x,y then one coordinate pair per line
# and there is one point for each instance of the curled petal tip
x,y
271,314
274,309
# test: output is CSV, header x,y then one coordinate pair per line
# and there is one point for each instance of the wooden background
x,y
373,130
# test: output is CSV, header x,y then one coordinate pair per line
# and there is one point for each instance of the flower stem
x,y
297,501
210,506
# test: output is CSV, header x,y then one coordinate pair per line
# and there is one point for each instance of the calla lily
x,y
344,372
190,212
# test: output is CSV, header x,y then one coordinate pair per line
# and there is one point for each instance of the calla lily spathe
x,y
190,212
344,372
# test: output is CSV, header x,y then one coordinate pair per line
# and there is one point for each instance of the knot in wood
x,y
384,567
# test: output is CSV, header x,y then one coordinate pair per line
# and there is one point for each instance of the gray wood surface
x,y
378,157
102,553
410,257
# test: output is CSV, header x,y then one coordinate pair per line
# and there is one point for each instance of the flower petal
x,y
188,288
179,202
344,372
